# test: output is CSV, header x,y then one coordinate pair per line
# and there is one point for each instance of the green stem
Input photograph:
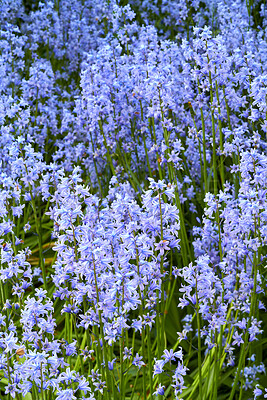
x,y
39,235
135,383
149,361
102,334
106,147
214,157
240,364
221,136
203,144
199,346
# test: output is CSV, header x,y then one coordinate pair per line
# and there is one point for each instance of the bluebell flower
x,y
12,389
171,355
138,361
257,392
162,246
160,390
237,339
9,342
27,227
83,385
127,353
158,367
111,364
65,394
71,348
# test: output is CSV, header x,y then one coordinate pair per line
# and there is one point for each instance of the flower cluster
x,y
133,181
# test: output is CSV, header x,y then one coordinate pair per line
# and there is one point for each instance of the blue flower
x,y
65,394
160,390
257,392
111,364
162,246
138,361
171,355
158,367
9,341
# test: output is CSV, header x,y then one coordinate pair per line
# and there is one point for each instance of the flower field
x,y
133,199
